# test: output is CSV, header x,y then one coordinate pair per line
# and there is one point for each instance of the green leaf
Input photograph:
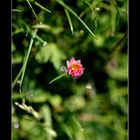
x,y
70,10
42,26
43,8
69,20
58,77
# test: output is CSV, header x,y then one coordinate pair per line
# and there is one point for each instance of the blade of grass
x,y
33,10
17,77
40,39
58,77
15,81
115,5
96,24
42,26
16,10
71,11
40,6
90,6
69,20
26,58
29,109
29,31
21,30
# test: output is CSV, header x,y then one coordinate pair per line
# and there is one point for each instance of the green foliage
x,y
45,34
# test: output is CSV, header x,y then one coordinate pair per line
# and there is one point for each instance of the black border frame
x,y
5,70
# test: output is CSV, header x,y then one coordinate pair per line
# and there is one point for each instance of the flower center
x,y
75,67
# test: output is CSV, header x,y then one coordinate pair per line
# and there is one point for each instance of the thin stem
x,y
20,72
29,109
71,11
40,39
69,20
43,8
33,10
58,77
115,5
17,77
16,10
26,58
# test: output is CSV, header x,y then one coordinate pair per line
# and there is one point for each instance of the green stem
x,y
26,60
17,77
21,70
40,39
71,11
69,20
58,77
33,10
43,8
16,10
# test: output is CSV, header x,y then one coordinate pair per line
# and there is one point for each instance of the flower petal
x,y
75,68
78,61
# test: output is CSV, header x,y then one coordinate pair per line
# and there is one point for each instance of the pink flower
x,y
75,68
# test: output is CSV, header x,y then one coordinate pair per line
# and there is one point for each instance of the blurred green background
x,y
47,33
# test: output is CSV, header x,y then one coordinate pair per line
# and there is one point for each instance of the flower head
x,y
75,68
